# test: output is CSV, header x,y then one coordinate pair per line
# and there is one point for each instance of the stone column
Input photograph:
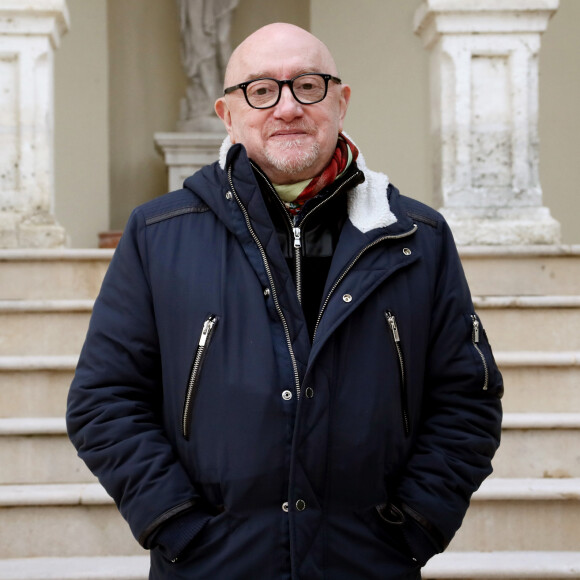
x,y
484,117
30,32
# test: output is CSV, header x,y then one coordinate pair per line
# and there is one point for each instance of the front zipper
x,y
351,265
190,395
297,228
298,261
475,332
273,291
392,322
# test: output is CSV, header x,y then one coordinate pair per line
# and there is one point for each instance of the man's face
x,y
290,142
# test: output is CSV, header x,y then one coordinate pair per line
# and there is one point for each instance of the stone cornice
x,y
436,17
35,17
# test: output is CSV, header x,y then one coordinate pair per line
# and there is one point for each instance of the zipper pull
x,y
475,328
207,328
297,242
393,324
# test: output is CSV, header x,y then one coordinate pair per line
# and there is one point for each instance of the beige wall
x,y
146,85
386,66
560,118
251,14
107,109
81,124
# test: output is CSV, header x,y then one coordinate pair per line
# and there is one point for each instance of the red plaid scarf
x,y
337,165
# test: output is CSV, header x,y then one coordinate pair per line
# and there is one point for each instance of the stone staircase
x,y
524,522
57,522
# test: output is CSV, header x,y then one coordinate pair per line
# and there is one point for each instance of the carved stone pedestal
x,y
29,33
484,117
185,153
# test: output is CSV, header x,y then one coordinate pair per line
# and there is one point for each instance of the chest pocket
x,y
196,368
394,331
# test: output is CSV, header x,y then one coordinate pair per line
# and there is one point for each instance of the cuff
x,y
176,534
421,543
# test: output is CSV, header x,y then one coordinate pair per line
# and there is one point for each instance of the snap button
x,y
267,292
347,298
309,392
286,395
285,506
229,195
300,505
406,251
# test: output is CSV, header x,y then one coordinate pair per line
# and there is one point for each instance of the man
x,y
284,376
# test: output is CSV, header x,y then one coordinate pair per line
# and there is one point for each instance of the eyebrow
x,y
265,74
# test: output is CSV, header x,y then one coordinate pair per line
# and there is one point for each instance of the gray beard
x,y
292,163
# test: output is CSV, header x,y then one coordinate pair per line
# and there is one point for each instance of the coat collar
x,y
368,205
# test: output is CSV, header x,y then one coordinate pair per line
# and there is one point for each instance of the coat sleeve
x,y
461,413
114,413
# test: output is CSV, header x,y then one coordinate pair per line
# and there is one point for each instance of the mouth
x,y
283,134
291,132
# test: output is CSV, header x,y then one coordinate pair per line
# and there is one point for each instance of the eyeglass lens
x,y
306,88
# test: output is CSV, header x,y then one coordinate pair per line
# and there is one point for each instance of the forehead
x,y
283,56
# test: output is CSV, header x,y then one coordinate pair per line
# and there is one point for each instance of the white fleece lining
x,y
368,206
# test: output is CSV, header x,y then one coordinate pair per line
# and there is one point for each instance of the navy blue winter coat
x,y
239,449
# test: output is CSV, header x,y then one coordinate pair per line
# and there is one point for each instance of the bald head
x,y
276,41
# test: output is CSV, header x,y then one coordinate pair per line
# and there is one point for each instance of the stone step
x,y
81,520
58,327
538,323
87,568
542,445
537,381
447,566
38,450
65,520
35,386
522,515
505,565
52,274
43,327
522,270
77,273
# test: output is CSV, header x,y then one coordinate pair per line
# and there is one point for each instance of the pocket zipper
x,y
476,330
391,321
205,337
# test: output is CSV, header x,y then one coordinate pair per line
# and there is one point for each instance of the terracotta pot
x,y
109,239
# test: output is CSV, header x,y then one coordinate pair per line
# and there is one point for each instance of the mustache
x,y
291,127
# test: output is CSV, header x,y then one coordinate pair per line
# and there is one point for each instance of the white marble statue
x,y
205,50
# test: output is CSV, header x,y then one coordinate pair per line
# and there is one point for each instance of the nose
x,y
288,107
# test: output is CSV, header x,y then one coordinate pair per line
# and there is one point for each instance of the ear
x,y
223,112
343,103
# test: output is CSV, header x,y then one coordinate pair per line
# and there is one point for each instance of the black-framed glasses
x,y
263,93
